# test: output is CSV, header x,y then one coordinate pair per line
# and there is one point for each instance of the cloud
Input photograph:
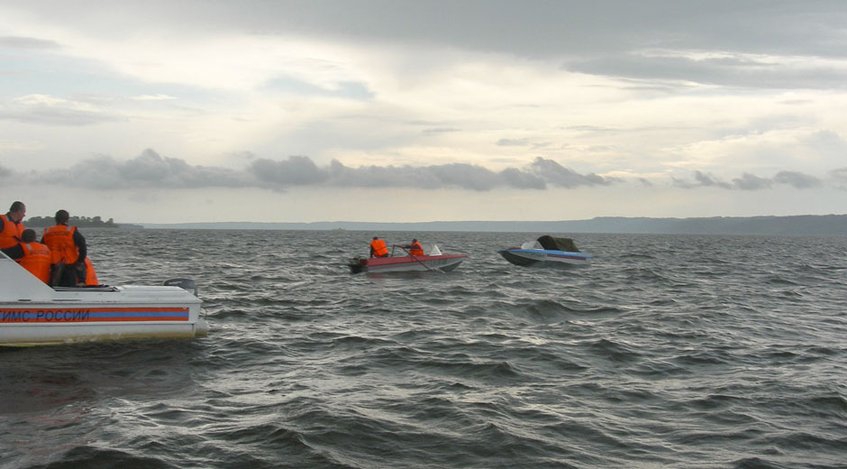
x,y
467,176
440,130
521,142
797,180
702,179
27,43
721,68
295,171
456,175
840,177
355,90
528,29
781,43
522,180
464,176
751,182
5,172
376,176
49,110
300,170
148,170
153,97
558,175
707,180
151,170
513,142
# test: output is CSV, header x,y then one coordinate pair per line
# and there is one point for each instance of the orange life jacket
x,y
90,274
379,248
415,249
36,259
60,240
11,234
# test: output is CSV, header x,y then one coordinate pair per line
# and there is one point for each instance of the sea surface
x,y
668,351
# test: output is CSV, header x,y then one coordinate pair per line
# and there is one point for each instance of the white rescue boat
x,y
33,313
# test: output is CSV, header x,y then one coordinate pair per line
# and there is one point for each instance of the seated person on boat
x,y
378,247
415,248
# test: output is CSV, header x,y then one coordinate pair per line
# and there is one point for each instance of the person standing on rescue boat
x,y
11,227
68,250
378,248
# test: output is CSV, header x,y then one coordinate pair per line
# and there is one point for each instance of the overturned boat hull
x,y
440,263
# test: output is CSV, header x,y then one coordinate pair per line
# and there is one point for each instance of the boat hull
x,y
442,263
109,315
532,257
57,334
32,313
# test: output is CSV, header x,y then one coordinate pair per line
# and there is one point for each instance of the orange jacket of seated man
x,y
415,249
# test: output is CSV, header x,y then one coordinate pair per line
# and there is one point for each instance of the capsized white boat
x,y
435,261
546,250
33,313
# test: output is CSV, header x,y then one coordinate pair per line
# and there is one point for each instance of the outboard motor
x,y
357,265
184,283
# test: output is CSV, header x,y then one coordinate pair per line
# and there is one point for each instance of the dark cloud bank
x,y
151,170
750,182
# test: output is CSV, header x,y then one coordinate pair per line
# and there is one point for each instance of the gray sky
x,y
418,111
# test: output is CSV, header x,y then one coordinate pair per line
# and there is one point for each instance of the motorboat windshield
x,y
557,244
534,244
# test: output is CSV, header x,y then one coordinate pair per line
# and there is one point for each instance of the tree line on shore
x,y
82,222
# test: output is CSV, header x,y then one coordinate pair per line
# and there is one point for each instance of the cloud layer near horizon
x,y
151,170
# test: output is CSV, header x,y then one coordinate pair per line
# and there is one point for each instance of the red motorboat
x,y
435,261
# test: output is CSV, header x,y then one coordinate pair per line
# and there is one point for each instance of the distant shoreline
x,y
111,226
797,225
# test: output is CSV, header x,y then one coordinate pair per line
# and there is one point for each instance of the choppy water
x,y
669,351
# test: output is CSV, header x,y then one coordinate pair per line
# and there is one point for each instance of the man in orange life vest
x,y
68,250
415,248
378,248
11,227
32,256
